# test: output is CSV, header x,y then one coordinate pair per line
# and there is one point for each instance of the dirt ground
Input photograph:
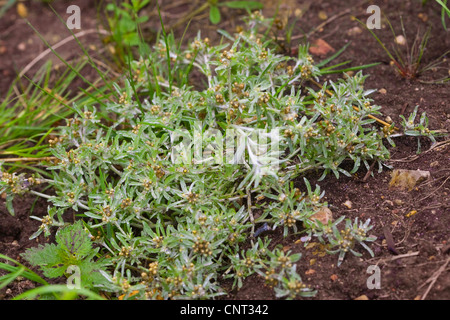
x,y
419,267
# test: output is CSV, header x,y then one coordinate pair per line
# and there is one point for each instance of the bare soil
x,y
421,241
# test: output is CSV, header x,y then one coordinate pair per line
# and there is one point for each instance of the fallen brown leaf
x,y
310,271
321,48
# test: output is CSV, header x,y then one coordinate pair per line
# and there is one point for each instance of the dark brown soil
x,y
421,240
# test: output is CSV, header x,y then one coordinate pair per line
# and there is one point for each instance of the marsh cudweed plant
x,y
173,229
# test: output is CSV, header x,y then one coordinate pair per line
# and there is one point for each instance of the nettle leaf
x,y
74,247
74,240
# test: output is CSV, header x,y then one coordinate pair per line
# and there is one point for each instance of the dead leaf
x,y
310,271
324,215
323,15
312,262
411,213
333,277
311,245
22,10
363,297
408,179
320,48
348,204
131,294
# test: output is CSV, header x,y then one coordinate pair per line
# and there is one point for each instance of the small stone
x,y
423,17
354,31
389,203
21,46
398,202
382,91
333,277
298,12
15,243
400,40
388,119
363,297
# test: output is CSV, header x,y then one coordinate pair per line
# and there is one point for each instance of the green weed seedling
x,y
408,61
73,248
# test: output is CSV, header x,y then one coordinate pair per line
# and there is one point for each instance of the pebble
x,y
423,17
400,40
382,91
21,46
354,31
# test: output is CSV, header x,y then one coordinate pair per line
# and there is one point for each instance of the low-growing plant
x,y
407,59
172,216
